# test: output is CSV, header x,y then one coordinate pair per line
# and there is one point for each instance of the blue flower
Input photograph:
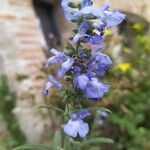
x,y
69,12
57,59
76,70
114,18
76,125
110,19
84,27
81,81
99,63
65,67
83,113
95,89
81,32
85,12
85,3
96,49
78,37
95,39
90,74
52,83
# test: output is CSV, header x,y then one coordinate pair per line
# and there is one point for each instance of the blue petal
x,y
84,27
69,13
84,12
65,67
90,74
95,89
74,116
52,83
84,113
103,59
47,86
99,63
114,18
57,59
73,128
76,70
83,129
96,49
85,3
96,39
81,32
77,37
81,81
105,6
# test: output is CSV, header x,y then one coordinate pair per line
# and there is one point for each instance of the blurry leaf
x,y
97,140
98,108
75,142
32,147
67,144
73,5
94,109
57,140
49,107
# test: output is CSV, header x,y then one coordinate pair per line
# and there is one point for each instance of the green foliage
x,y
129,99
56,145
14,136
67,144
32,147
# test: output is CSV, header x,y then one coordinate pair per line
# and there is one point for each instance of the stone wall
x,y
23,58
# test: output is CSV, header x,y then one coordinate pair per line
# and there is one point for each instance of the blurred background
x,y
28,29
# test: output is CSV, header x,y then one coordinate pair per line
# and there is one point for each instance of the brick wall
x,y
23,60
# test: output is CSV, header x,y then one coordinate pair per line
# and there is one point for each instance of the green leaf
x,y
94,109
99,108
57,140
49,107
72,5
32,147
75,142
96,140
67,144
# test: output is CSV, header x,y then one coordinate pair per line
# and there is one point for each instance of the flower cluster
x,y
84,66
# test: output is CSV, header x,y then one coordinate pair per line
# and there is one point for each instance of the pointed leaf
x,y
32,147
94,109
57,140
99,108
97,140
49,107
67,144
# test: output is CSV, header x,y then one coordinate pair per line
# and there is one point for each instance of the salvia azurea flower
x,y
85,66
52,83
81,65
76,126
